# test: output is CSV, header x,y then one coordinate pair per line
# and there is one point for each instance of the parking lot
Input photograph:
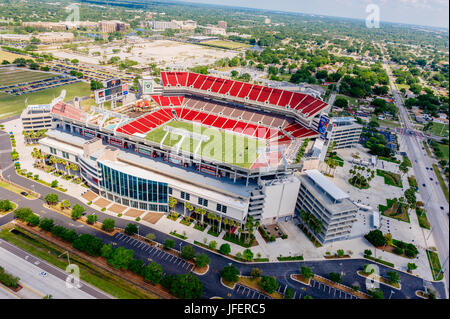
x,y
331,291
248,293
153,253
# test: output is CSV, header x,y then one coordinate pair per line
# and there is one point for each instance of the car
x,y
424,185
431,178
24,193
442,208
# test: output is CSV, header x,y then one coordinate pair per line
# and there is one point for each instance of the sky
x,y
420,12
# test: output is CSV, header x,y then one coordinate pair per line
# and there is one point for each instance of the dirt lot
x,y
165,53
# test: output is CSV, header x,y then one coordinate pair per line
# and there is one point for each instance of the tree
x,y
230,274
92,219
336,277
376,238
187,286
247,255
77,211
131,229
153,273
65,204
412,266
89,244
256,273
96,85
376,293
5,205
394,277
225,249
340,252
368,252
120,258
268,284
32,220
289,293
169,243
46,224
54,184
187,252
23,213
202,260
51,198
108,224
341,102
306,272
136,266
150,236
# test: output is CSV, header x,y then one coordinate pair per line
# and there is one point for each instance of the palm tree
x,y
74,167
225,223
202,213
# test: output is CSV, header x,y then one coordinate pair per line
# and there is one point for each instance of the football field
x,y
12,76
229,148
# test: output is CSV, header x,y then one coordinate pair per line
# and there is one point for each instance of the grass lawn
x,y
224,147
351,100
389,123
101,279
10,57
435,265
226,44
14,206
21,75
11,105
444,149
15,189
439,129
390,178
422,217
441,181
394,210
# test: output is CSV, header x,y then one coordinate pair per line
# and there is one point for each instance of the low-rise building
x,y
36,117
322,205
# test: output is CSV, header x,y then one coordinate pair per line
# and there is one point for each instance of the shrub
x,y
256,273
5,205
92,219
153,273
289,293
186,286
212,244
368,252
51,198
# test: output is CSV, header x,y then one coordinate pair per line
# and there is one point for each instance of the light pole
x,y
392,292
180,246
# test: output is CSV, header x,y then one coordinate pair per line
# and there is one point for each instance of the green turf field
x,y
224,147
11,76
11,105
439,129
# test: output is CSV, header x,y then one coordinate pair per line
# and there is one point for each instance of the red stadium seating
x,y
303,103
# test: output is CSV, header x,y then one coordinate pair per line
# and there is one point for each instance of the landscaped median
x,y
441,181
381,280
7,207
18,189
435,265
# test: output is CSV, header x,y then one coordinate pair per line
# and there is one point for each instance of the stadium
x,y
194,140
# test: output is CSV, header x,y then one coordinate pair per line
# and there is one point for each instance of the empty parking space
x,y
249,293
154,253
331,291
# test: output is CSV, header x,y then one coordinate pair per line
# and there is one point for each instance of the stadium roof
x,y
331,189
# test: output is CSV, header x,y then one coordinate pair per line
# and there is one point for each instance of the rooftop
x,y
331,189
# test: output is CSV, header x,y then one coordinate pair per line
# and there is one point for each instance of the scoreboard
x,y
113,89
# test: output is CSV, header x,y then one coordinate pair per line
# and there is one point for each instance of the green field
x,y
225,44
224,147
439,129
11,76
11,105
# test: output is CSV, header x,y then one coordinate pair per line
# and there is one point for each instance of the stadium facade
x,y
129,158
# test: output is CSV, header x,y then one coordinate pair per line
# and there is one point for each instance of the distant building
x,y
200,39
159,26
328,204
61,26
45,37
112,26
222,24
213,30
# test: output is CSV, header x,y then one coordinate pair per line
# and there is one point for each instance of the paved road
x,y
42,278
211,280
429,188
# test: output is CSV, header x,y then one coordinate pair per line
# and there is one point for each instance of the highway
x,y
436,204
